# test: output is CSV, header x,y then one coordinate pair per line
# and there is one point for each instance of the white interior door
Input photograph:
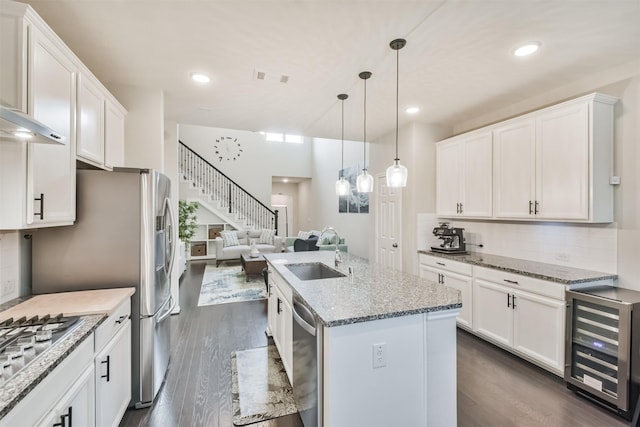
x,y
388,225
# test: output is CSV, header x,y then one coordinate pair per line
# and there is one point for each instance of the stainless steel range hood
x,y
17,126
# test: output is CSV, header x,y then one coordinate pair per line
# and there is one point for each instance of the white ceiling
x,y
457,62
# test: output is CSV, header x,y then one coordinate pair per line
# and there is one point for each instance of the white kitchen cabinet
x,y
113,366
281,319
14,53
555,163
530,324
464,176
114,115
76,407
91,113
455,275
100,124
38,180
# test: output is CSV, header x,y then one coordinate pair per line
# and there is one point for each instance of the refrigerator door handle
x,y
173,242
168,312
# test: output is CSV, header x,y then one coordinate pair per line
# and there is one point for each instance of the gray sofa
x,y
226,253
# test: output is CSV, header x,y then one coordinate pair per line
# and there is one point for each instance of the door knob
x,y
395,245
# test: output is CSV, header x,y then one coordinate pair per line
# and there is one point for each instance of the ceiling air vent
x,y
260,75
284,78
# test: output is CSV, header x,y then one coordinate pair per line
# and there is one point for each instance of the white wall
x,y
416,150
171,170
286,194
144,126
259,161
354,227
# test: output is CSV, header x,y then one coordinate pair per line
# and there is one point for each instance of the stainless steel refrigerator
x,y
123,237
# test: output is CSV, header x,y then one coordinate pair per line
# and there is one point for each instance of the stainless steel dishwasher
x,y
307,364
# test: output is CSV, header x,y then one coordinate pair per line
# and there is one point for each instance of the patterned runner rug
x,y
229,284
260,389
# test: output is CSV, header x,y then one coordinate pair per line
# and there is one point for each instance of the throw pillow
x,y
304,235
229,238
266,237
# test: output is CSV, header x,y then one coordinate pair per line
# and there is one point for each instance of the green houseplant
x,y
186,220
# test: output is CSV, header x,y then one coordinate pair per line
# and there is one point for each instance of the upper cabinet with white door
x,y
463,170
552,164
37,185
555,164
100,124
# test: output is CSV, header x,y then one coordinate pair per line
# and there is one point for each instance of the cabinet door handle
x,y
108,362
513,282
461,209
121,319
530,207
513,302
536,209
63,418
279,308
441,263
508,300
41,213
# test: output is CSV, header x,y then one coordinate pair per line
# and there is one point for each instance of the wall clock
x,y
227,148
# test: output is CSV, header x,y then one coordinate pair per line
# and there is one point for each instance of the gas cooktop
x,y
23,340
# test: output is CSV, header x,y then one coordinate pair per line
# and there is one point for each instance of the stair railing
x,y
219,187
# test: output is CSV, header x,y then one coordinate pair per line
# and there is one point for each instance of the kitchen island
x,y
384,339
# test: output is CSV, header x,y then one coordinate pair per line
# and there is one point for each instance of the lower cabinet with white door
x,y
521,314
455,275
113,366
280,319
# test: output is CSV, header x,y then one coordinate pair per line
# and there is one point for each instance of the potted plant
x,y
186,220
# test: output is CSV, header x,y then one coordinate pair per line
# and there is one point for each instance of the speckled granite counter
x,y
373,293
21,384
551,272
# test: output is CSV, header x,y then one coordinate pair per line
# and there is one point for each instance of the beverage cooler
x,y
603,347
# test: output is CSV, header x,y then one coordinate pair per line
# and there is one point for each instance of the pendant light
x,y
342,185
396,173
364,183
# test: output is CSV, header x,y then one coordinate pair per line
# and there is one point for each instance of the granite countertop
x,y
373,293
26,380
539,270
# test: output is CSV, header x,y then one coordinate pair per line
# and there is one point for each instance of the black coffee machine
x,y
452,239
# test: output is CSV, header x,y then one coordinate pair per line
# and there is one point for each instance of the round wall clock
x,y
227,148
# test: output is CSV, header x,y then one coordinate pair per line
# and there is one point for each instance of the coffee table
x,y
252,266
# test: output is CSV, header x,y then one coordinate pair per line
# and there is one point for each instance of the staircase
x,y
201,182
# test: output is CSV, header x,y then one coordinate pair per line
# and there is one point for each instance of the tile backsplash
x,y
587,246
9,265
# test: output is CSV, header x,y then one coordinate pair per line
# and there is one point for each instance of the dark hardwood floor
x,y
495,388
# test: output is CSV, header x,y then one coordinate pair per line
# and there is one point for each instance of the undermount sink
x,y
313,271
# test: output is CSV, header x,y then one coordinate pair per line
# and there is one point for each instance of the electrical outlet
x,y
380,355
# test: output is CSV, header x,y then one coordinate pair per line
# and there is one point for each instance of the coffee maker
x,y
452,239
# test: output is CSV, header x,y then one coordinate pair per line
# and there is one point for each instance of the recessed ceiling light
x,y
527,49
285,180
200,78
412,110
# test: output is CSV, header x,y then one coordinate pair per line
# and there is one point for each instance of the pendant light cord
x,y
397,97
342,155
364,142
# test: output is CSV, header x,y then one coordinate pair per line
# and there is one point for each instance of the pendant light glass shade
x,y
342,185
364,182
396,173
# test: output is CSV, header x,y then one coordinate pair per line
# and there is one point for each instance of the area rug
x,y
224,285
260,389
